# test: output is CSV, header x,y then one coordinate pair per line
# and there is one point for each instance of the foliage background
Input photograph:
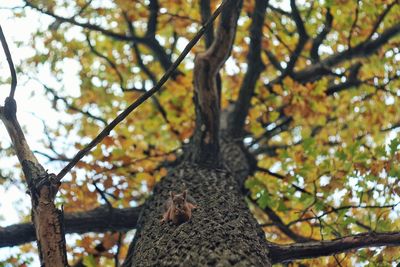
x,y
331,171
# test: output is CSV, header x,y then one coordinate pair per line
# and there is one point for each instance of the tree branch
x,y
282,253
366,48
148,41
89,26
303,37
152,22
71,106
207,91
277,221
99,220
354,23
381,18
205,12
10,64
321,36
108,60
255,67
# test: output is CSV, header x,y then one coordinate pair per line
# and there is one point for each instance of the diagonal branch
x,y
108,60
283,253
381,18
99,220
106,131
364,49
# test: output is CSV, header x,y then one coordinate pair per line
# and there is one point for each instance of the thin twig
x,y
10,63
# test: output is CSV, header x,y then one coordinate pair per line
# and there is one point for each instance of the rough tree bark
x,y
222,231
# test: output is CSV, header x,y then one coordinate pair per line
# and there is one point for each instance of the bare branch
x,y
279,10
108,60
255,67
282,253
273,60
71,106
149,41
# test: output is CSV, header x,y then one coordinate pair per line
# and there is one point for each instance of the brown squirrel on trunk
x,y
178,209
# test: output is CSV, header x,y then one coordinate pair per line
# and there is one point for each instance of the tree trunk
x,y
222,230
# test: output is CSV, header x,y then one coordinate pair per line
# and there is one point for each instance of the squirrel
x,y
178,209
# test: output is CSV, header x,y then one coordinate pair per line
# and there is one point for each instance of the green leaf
x,y
264,200
341,155
89,261
394,146
380,151
282,206
306,199
309,144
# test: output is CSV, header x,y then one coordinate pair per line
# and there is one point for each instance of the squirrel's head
x,y
179,200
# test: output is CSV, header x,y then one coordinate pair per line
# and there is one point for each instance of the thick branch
x,y
282,253
255,67
205,11
207,91
363,49
101,219
152,22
